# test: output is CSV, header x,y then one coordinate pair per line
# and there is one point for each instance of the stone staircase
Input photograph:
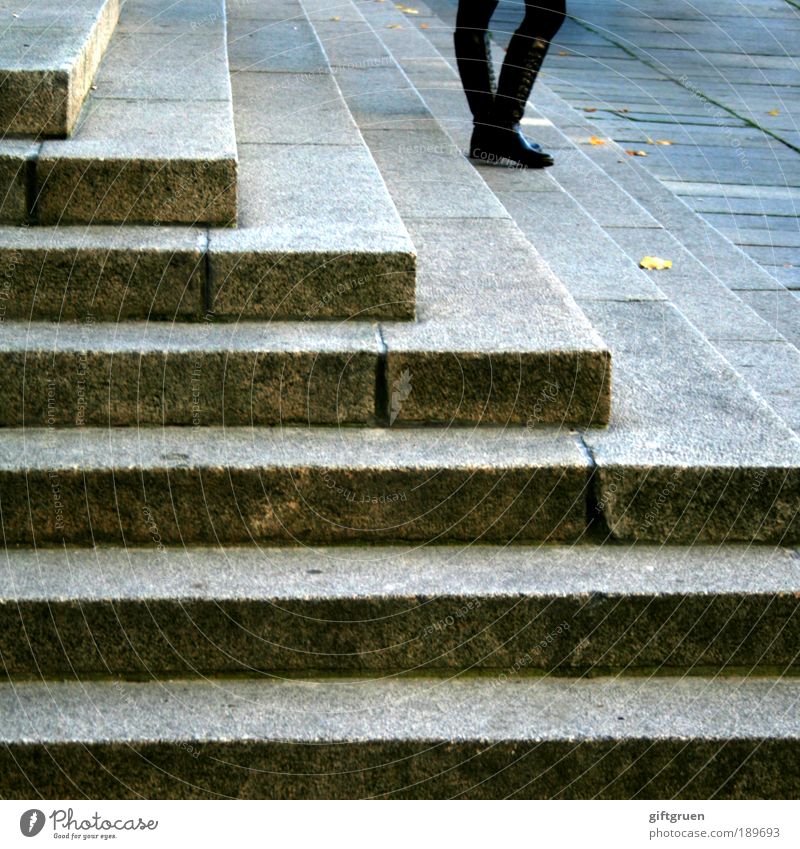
x,y
324,504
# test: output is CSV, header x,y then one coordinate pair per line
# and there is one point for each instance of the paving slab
x,y
420,738
266,44
142,151
290,484
181,611
775,366
135,374
49,57
778,309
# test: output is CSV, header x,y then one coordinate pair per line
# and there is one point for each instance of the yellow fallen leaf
x,y
595,140
424,26
563,53
636,153
590,109
774,112
663,141
655,263
394,26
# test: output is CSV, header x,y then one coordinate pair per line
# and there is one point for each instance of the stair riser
x,y
512,636
130,191
101,283
261,284
120,388
322,504
695,504
558,387
176,278
237,502
198,388
13,185
425,768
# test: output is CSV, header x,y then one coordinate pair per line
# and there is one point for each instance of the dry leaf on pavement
x,y
655,263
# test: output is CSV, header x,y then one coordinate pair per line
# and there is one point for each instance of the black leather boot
x,y
474,60
501,137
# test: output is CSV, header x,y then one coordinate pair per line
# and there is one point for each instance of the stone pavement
x,y
744,304
720,81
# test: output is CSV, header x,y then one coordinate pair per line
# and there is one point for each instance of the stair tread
x,y
48,60
306,575
213,447
429,710
207,337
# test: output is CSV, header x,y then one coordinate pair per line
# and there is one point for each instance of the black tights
x,y
526,52
542,20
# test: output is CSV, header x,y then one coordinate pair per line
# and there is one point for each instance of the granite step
x,y
154,143
316,484
318,235
422,737
576,609
232,485
498,339
48,59
138,374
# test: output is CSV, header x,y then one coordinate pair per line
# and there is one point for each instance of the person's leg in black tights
x,y
497,114
474,57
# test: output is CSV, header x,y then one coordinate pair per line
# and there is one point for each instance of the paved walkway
x,y
720,80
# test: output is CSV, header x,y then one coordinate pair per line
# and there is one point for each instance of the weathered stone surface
x,y
101,273
542,738
116,169
290,484
691,454
50,55
319,237
200,374
498,338
513,610
14,158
